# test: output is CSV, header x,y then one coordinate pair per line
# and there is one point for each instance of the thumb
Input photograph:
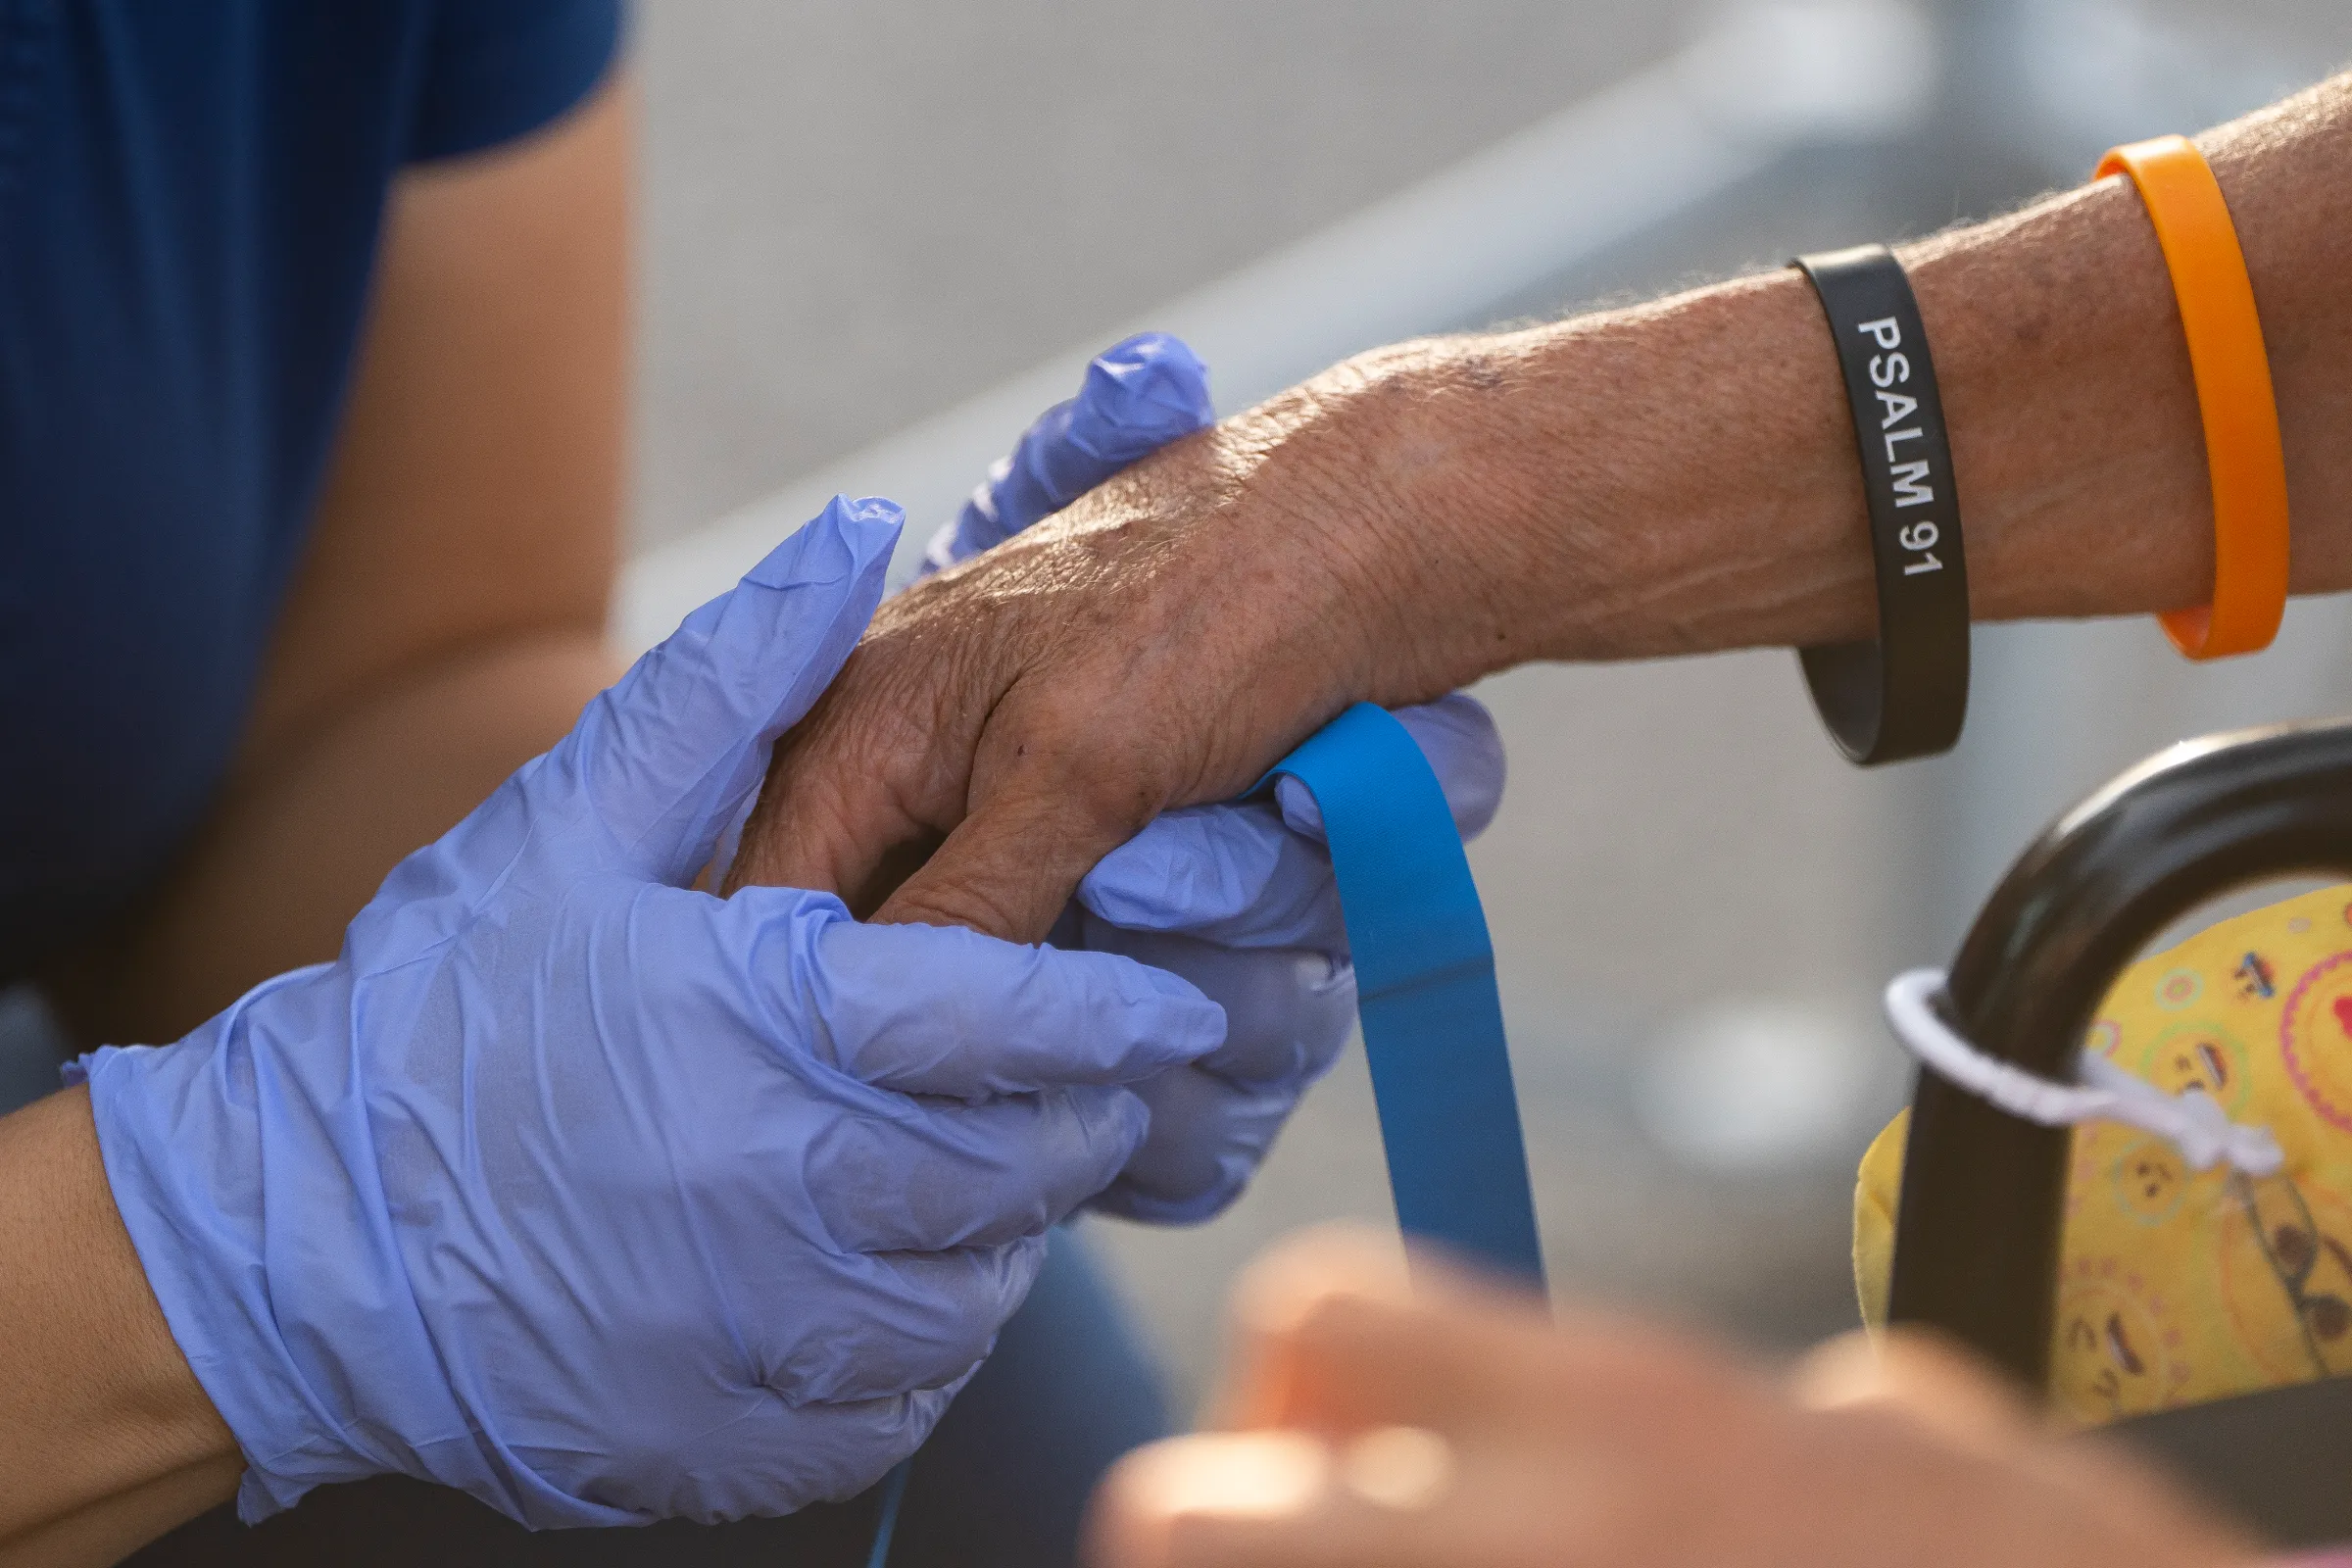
x,y
1938,1382
1464,749
663,759
1137,396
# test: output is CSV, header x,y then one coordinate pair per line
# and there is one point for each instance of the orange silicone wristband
x,y
2243,455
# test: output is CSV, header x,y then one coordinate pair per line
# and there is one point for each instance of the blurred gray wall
x,y
857,213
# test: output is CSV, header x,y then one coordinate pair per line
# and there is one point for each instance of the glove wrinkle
x,y
549,1187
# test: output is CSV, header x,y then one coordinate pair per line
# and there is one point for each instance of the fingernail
x,y
1404,1469
1242,1474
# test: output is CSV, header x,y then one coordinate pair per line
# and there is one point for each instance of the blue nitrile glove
x,y
1137,396
604,1200
1239,899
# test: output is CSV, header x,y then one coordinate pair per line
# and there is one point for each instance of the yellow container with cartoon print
x,y
2203,1315
2177,1287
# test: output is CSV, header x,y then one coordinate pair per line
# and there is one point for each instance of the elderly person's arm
x,y
1673,478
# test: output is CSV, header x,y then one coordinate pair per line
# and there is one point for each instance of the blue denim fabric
x,y
30,1048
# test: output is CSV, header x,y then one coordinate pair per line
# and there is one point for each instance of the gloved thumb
x,y
661,762
1464,749
1138,395
1247,875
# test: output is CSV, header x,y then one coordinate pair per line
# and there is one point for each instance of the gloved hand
x,y
1238,899
604,1200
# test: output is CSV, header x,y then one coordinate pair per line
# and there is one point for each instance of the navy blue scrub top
x,y
190,198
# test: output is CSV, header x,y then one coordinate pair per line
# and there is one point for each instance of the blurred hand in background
x,y
1450,1424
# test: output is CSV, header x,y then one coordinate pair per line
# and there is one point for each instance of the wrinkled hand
x,y
1237,898
1450,1425
1157,644
604,1200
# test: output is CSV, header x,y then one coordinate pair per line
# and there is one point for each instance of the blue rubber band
x,y
1425,988
1425,991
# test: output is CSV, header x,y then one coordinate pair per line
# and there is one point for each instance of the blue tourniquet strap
x,y
1425,988
886,1513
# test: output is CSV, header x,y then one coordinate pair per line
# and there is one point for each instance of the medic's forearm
x,y
298,843
105,1437
1681,476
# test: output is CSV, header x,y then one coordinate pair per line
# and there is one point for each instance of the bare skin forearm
x,y
1681,477
301,842
1675,478
445,625
446,622
109,1439
105,1423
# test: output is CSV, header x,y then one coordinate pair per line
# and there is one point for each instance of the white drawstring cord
x,y
2192,1120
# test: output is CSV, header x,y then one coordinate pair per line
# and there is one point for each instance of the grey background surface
x,y
856,216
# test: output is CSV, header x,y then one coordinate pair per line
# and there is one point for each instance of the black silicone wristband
x,y
1905,694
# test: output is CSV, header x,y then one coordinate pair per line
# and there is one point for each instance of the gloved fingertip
x,y
663,757
1135,1120
850,537
868,511
1138,395
1170,985
1470,719
941,552
1196,1023
1463,746
1464,743
1302,813
1152,367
